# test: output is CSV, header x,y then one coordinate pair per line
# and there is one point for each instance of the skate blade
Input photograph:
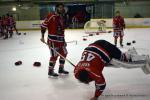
x,y
62,74
53,77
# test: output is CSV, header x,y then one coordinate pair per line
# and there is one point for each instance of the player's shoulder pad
x,y
51,16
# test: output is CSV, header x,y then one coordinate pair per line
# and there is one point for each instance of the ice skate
x,y
6,37
121,45
62,71
51,73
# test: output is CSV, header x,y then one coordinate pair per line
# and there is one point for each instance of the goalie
x,y
100,54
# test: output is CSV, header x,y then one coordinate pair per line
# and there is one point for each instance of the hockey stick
x,y
61,55
67,59
72,41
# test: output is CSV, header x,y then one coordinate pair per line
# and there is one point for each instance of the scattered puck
x,y
84,39
90,34
37,64
128,43
18,63
97,33
133,41
24,33
19,33
109,31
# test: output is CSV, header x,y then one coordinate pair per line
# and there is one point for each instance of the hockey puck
x,y
84,39
128,43
97,33
24,33
90,34
133,41
109,31
19,33
37,64
18,63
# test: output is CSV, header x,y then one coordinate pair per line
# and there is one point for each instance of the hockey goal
x,y
92,27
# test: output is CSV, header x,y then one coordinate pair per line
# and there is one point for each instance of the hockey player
x,y
54,22
10,25
4,26
118,27
13,24
101,53
1,33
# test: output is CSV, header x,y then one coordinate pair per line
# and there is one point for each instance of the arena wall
x,y
130,23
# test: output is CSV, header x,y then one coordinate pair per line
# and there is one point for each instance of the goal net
x,y
92,27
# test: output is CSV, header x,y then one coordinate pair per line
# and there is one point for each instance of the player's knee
x,y
121,37
116,37
64,55
53,58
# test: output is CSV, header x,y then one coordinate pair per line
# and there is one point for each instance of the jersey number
x,y
87,56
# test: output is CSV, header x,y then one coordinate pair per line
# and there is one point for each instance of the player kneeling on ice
x,y
102,53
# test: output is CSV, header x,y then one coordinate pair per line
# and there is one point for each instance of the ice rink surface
x,y
26,82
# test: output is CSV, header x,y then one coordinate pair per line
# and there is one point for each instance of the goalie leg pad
x,y
132,51
128,65
139,57
134,56
146,68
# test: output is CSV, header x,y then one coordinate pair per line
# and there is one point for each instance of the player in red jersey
x,y
118,27
4,26
54,22
10,22
1,32
99,54
13,24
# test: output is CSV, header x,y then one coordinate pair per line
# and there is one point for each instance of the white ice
x,y
26,82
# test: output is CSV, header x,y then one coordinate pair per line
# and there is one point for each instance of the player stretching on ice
x,y
54,22
101,53
118,27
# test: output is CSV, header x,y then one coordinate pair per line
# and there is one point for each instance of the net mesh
x,y
95,27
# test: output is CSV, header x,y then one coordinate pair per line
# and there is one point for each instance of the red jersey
x,y
5,21
93,60
55,25
118,23
1,22
11,21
